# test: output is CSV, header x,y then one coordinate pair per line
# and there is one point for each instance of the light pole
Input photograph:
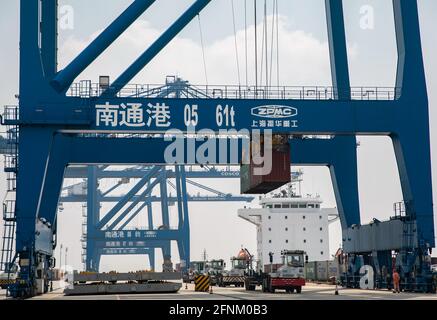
x,y
66,252
60,257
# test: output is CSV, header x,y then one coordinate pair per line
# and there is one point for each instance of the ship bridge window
x,y
311,206
285,206
294,206
302,206
277,206
318,206
269,206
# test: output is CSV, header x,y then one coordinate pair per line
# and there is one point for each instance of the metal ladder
x,y
408,236
10,120
408,225
8,235
83,238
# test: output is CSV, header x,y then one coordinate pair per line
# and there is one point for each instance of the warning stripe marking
x,y
233,279
7,281
202,283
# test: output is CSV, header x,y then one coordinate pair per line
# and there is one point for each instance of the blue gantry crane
x,y
119,238
60,124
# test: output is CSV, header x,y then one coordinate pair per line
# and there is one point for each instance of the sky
x,y
303,60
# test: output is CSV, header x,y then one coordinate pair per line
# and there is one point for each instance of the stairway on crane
x,y
9,119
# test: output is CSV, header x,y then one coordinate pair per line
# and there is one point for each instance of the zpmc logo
x,y
274,112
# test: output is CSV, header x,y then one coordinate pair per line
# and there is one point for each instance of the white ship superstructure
x,y
287,221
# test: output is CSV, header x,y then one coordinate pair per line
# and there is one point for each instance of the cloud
x,y
304,59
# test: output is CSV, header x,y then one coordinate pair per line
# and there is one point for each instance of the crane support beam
x,y
111,214
66,77
135,213
103,242
344,174
310,117
81,172
184,245
31,71
93,216
156,47
135,201
338,49
190,198
179,196
413,139
410,71
164,199
128,251
113,188
49,37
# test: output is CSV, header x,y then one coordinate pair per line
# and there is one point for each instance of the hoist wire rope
x,y
246,43
277,44
203,50
236,42
262,50
275,40
272,42
266,26
256,46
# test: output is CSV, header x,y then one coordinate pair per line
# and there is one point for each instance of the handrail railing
x,y
86,89
10,113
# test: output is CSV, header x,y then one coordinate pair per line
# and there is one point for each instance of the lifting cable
x,y
272,44
236,42
245,42
256,48
203,50
277,42
265,58
266,25
262,49
275,27
265,48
